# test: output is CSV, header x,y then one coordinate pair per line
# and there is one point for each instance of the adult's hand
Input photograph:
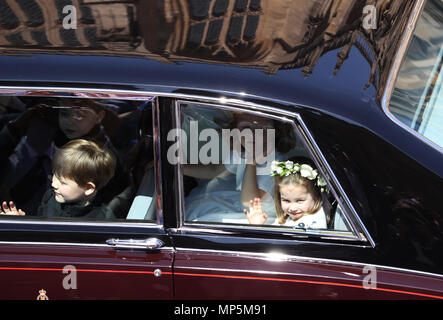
x,y
20,125
40,135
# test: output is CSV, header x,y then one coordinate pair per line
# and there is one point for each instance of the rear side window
x,y
66,158
244,168
417,99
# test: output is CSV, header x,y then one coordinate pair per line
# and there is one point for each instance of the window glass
x,y
71,158
244,168
417,98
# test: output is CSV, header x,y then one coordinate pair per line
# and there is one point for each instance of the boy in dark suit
x,y
80,169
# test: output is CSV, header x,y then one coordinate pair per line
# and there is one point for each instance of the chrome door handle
x,y
146,244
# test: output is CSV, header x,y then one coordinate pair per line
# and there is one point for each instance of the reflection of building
x,y
274,34
269,34
39,23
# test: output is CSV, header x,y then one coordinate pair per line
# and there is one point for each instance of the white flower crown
x,y
285,168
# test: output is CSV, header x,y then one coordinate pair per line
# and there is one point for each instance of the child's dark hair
x,y
84,161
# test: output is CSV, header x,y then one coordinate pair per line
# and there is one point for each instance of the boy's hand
x,y
11,209
256,214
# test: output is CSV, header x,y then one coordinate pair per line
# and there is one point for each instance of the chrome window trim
x,y
144,95
395,69
89,223
72,244
157,162
135,95
220,229
179,170
359,231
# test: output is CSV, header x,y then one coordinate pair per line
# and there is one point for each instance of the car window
x,y
74,158
417,97
247,168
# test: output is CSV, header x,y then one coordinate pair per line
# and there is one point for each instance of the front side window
x,y
247,168
72,158
417,98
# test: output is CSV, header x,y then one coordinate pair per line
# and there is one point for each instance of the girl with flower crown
x,y
297,196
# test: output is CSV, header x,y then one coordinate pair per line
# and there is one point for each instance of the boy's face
x,y
67,190
78,121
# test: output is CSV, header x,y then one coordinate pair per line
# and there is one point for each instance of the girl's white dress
x,y
315,220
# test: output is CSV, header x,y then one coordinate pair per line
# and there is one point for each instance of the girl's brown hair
x,y
84,161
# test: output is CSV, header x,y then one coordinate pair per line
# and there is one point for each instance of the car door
x,y
219,255
78,258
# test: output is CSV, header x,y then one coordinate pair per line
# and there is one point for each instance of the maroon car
x,y
204,106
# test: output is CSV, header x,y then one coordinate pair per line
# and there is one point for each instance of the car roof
x,y
147,74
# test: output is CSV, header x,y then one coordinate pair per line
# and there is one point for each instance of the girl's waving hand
x,y
255,214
